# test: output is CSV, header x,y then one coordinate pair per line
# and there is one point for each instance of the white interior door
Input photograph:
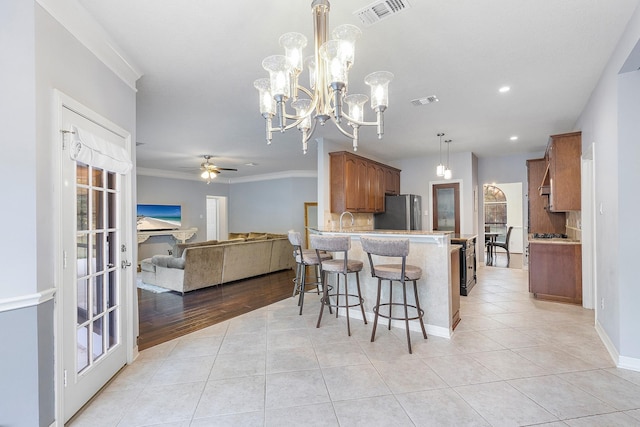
x,y
95,269
217,223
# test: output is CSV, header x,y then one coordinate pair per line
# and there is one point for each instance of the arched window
x,y
495,209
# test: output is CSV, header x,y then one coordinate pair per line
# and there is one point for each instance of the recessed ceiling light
x,y
514,138
251,164
504,89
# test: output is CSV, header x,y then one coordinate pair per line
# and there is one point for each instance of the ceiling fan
x,y
209,170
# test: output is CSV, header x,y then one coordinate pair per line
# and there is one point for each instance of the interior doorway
x,y
217,224
503,208
310,219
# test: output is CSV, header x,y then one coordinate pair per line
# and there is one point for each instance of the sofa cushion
x,y
256,236
236,235
147,265
176,263
180,247
161,260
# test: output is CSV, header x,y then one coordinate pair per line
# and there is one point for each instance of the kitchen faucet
x,y
342,214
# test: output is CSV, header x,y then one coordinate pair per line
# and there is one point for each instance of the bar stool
x,y
398,248
339,267
304,258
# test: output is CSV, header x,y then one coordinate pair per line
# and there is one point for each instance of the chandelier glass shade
x,y
323,99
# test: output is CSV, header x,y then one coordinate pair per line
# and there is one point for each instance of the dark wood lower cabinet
x,y
467,263
555,271
455,281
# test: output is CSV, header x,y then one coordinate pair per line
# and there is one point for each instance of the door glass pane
x,y
97,177
111,290
83,301
82,206
446,209
111,210
111,181
97,251
82,255
97,212
113,328
96,338
82,174
83,348
98,294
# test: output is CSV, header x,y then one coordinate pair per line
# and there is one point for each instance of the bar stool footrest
x,y
327,300
398,304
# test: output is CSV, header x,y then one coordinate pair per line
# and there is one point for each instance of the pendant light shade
x,y
440,168
447,171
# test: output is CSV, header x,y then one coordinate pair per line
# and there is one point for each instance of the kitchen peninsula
x,y
428,250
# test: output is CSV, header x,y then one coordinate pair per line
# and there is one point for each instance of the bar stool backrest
x,y
330,243
385,247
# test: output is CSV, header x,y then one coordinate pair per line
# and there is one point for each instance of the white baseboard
x,y
437,331
622,362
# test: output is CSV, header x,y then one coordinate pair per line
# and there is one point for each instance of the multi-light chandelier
x,y
328,75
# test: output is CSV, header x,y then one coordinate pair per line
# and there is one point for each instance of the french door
x,y
95,268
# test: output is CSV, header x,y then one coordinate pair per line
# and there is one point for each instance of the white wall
x,y
607,122
40,56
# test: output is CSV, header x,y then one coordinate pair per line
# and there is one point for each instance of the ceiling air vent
x,y
380,10
424,101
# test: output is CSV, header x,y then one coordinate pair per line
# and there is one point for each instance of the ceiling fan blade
x,y
226,169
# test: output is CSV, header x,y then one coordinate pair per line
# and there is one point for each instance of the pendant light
x,y
447,172
440,168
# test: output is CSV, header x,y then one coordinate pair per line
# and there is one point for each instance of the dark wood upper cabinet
x,y
541,220
563,172
359,184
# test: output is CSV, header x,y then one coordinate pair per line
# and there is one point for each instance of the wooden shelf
x,y
182,235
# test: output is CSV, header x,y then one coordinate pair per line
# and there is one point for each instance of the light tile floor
x,y
513,360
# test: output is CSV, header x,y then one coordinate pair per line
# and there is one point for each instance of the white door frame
x,y
223,218
588,238
129,296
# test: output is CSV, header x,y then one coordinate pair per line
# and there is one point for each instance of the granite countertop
x,y
555,241
400,232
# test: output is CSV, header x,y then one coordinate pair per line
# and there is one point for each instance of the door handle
x,y
125,264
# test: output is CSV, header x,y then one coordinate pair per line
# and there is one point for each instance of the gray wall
x,y
274,206
609,121
191,195
43,56
419,172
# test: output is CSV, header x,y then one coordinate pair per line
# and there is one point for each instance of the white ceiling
x,y
199,59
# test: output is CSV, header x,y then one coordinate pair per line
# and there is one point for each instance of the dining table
x,y
490,238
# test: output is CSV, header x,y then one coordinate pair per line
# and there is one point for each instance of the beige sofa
x,y
199,265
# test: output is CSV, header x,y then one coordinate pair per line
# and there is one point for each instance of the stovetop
x,y
549,236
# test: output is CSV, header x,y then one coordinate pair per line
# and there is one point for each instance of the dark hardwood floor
x,y
170,315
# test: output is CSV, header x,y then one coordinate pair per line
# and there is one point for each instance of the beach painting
x,y
158,217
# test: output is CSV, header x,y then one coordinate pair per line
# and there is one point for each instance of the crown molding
x,y
72,16
253,178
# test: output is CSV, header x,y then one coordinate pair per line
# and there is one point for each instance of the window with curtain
x,y
495,209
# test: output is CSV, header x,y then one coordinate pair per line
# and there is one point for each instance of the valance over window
x,y
99,153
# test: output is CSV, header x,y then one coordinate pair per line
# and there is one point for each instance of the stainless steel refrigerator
x,y
401,212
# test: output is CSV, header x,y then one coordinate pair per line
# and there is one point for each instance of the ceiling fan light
x,y
205,175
